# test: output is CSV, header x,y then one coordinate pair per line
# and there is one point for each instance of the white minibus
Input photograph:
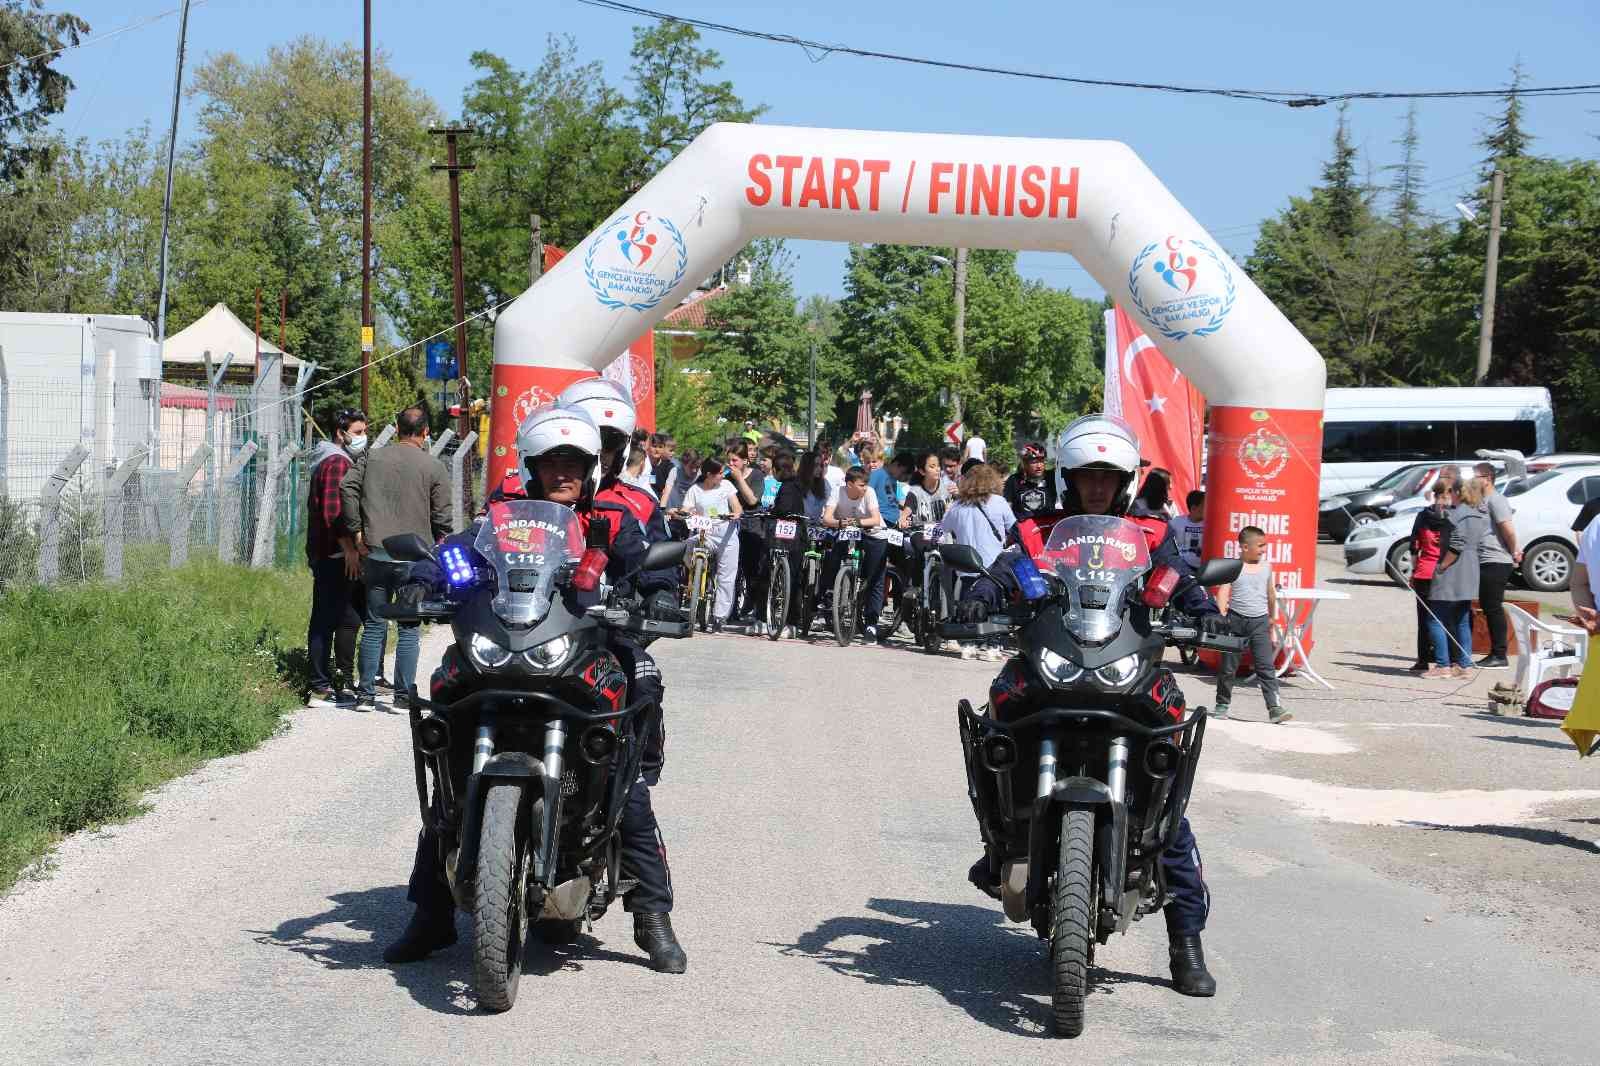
x,y
1366,433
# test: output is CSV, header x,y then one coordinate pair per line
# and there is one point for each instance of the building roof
x,y
691,314
219,331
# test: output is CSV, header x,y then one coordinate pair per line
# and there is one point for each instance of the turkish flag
x,y
1164,409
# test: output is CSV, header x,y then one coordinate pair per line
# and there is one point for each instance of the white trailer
x,y
93,380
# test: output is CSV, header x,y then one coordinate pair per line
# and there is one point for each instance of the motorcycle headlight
x,y
550,654
1119,673
486,653
1059,668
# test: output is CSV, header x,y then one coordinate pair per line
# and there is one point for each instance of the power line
x,y
98,37
817,51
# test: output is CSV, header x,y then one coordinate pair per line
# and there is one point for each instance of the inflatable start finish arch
x,y
1094,199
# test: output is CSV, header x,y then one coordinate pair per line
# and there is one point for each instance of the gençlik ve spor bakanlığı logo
x,y
635,260
1183,288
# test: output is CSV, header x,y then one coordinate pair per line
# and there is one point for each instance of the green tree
x,y
674,98
754,350
31,89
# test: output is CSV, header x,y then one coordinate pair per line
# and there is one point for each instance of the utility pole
x,y
811,408
535,249
454,168
166,201
1491,269
366,199
961,320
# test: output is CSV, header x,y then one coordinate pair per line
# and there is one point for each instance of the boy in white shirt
x,y
856,507
1189,529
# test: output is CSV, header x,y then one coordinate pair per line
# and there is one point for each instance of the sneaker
x,y
1278,715
869,635
1493,662
1420,668
994,654
384,683
953,646
1219,711
1437,672
1460,671
322,696
969,651
366,703
759,629
345,697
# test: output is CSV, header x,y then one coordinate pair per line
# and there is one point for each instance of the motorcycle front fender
x,y
507,766
1044,836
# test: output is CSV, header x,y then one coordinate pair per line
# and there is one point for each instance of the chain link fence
x,y
103,481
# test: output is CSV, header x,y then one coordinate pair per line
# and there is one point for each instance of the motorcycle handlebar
x,y
1193,636
425,611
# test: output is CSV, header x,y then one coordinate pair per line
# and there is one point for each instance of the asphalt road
x,y
819,832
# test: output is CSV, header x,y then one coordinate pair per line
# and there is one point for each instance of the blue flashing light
x,y
457,570
1028,578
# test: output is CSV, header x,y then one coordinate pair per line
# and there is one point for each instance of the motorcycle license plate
x,y
897,538
522,580
849,534
785,530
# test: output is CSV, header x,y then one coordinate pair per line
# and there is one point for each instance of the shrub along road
x,y
819,830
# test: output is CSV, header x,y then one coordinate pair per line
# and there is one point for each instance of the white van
x,y
1366,433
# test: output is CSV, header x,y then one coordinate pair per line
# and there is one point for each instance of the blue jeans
x,y
382,580
1450,626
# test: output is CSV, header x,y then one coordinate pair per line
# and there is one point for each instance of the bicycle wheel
x,y
933,612
845,587
778,597
698,611
809,577
893,592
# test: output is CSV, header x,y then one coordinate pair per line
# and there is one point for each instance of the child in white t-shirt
x,y
714,496
1189,529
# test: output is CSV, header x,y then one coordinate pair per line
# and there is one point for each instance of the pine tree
x,y
1407,185
1341,194
1506,141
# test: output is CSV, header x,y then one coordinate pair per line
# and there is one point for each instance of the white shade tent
x,y
220,331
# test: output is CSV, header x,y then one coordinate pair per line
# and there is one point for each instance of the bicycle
x,y
818,537
926,603
700,605
847,587
783,536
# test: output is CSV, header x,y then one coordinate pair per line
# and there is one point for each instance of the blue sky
x,y
1232,163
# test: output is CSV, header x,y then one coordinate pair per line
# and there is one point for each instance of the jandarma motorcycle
x,y
531,766
1080,769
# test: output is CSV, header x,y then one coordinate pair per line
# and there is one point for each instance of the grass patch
x,y
108,690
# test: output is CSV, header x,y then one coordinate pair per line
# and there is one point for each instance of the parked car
x,y
1338,515
1544,507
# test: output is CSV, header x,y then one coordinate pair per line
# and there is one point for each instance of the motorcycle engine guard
x,y
568,901
1014,890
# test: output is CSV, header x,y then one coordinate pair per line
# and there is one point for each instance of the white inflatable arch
x,y
1093,199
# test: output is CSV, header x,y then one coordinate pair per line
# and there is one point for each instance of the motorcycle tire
x,y
1072,921
499,918
844,606
778,600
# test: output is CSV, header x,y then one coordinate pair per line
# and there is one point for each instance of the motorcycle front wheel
x,y
844,606
499,917
1072,918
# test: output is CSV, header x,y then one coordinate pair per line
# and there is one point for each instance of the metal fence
x,y
104,480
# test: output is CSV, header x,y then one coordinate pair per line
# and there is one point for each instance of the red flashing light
x,y
590,569
1158,590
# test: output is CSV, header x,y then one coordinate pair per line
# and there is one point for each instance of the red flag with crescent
x,y
1162,406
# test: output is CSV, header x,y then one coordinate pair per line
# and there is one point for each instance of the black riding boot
x,y
1189,974
427,932
652,931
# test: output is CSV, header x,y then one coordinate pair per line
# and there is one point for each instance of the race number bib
x,y
785,530
849,534
896,537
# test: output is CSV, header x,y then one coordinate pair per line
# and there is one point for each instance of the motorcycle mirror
x,y
408,547
664,554
962,557
1215,572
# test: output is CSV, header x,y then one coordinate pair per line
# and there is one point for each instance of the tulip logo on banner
x,y
635,260
1183,288
1263,455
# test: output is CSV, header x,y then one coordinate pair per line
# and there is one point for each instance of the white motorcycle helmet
x,y
552,429
612,411
1099,442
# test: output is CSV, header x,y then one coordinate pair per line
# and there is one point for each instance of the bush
x,y
108,690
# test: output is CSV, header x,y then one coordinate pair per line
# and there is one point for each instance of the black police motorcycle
x,y
531,767
1080,791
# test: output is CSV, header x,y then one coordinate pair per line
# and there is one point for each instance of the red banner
x,y
1164,409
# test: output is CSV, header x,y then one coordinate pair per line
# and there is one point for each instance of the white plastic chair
x,y
1545,649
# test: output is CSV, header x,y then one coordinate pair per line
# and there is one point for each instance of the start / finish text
x,y
991,190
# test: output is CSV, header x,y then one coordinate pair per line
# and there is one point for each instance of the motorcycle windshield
x,y
1100,559
528,542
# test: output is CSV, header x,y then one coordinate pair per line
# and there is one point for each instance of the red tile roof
x,y
691,314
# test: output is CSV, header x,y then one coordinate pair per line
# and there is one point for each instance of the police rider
x,y
559,450
1097,459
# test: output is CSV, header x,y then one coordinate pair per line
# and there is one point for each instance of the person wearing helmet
x,y
559,450
1031,489
1097,462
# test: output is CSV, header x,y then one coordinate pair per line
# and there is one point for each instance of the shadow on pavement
x,y
1516,719
1514,832
1538,742
995,971
442,982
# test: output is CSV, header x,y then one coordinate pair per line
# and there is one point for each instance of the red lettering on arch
x,y
759,191
938,182
789,164
845,174
877,168
986,190
816,186
1064,190
1032,203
